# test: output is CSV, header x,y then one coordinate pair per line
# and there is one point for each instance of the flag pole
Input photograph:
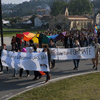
x,y
1,28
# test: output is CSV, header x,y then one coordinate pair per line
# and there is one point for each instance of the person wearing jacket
x,y
36,73
52,45
21,70
48,76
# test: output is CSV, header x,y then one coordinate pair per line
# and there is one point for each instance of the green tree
x,y
18,19
13,21
58,7
32,18
80,7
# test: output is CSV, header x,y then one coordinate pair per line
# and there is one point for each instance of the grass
x,y
86,87
13,32
8,29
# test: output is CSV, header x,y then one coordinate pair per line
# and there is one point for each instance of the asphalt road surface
x,y
10,85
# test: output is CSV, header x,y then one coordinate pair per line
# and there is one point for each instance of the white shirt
x,y
96,48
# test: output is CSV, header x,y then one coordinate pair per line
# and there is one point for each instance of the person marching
x,y
95,60
36,73
48,76
4,47
52,45
76,61
21,70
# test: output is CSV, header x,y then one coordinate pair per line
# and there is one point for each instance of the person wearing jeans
x,y
76,61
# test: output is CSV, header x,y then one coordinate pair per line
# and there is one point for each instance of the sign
x,y
71,53
27,61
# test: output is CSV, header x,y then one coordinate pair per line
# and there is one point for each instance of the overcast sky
x,y
13,1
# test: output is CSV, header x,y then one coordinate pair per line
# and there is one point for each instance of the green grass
x,y
86,87
13,32
8,29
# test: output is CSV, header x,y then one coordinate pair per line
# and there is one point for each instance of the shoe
x,y
77,69
46,81
49,76
28,75
1,72
14,75
53,66
35,78
40,77
74,68
96,68
93,66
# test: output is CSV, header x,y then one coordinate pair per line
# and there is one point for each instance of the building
x,y
6,23
37,22
70,21
43,10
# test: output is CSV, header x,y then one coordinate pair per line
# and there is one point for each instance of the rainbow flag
x,y
96,27
28,36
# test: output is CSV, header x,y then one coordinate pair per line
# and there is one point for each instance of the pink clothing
x,y
24,50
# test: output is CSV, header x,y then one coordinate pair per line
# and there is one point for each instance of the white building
x,y
6,23
37,22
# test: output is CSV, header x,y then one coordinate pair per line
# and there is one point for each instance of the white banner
x,y
54,52
29,49
76,53
71,53
27,61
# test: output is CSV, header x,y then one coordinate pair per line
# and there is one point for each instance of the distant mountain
x,y
25,8
8,6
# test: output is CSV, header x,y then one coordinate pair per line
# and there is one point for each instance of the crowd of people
x,y
71,39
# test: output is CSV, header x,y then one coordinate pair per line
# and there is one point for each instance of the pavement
x,y
10,85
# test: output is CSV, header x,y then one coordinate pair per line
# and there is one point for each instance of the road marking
x,y
35,84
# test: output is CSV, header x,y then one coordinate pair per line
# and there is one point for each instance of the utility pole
x,y
1,28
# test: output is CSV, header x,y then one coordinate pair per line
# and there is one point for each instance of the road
x,y
10,85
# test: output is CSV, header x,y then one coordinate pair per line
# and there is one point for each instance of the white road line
x,y
52,80
35,84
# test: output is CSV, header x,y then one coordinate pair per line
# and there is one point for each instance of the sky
x,y
13,1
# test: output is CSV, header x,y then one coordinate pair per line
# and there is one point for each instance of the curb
x,y
52,80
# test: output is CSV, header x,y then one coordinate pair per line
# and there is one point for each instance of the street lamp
x,y
1,28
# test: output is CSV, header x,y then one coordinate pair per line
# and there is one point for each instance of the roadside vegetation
x,y
13,32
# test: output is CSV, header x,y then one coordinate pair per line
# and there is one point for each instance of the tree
x,y
96,4
32,18
18,19
80,7
13,21
58,7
